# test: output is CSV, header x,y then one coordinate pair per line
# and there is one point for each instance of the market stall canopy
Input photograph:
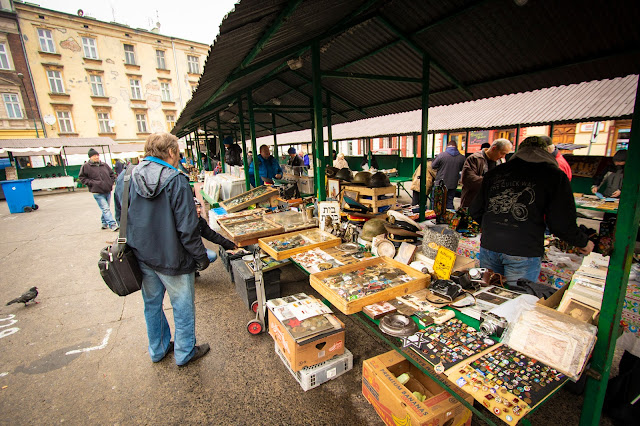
x,y
477,49
51,146
589,101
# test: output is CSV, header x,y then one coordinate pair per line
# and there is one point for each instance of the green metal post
x,y
329,134
466,144
415,151
252,134
207,146
198,153
220,139
245,162
320,161
517,138
426,68
433,146
617,278
369,151
275,138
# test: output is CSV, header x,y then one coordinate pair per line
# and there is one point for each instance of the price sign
x,y
328,209
444,262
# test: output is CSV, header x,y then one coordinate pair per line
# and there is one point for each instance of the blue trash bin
x,y
19,195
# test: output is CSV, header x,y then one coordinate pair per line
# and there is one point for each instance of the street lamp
x,y
35,124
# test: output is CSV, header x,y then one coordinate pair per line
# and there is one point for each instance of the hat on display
x,y
372,228
400,233
620,156
292,150
93,152
331,171
402,221
536,142
344,174
362,178
379,180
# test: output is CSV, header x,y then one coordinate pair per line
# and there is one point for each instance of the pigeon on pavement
x,y
27,296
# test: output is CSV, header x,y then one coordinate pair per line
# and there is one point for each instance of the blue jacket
x,y
162,226
268,168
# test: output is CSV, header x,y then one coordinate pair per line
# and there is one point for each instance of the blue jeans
x,y
211,255
512,267
103,201
182,295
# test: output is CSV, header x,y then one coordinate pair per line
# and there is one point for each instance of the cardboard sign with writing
x,y
328,209
444,262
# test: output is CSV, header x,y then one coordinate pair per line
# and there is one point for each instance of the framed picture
x,y
579,311
333,188
351,194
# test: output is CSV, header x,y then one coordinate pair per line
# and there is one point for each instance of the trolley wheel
x,y
27,209
255,327
254,306
36,207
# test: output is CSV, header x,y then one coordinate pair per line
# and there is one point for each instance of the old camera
x,y
477,273
446,289
492,324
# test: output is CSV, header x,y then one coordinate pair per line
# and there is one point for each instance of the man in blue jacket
x,y
268,167
163,232
448,165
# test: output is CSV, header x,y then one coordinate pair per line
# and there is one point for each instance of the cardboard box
x,y
312,353
553,301
395,403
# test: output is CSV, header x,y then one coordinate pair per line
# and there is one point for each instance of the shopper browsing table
x,y
516,202
99,178
209,234
268,167
448,165
478,164
163,232
611,184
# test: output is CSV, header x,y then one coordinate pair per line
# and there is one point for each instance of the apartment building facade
x,y
19,117
96,78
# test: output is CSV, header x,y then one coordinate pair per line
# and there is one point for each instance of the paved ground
x,y
42,381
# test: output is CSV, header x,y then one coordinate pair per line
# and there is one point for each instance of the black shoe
x,y
201,351
105,227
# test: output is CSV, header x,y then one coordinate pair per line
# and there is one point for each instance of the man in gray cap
x,y
516,203
99,178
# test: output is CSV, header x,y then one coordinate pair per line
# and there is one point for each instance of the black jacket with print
x,y
518,200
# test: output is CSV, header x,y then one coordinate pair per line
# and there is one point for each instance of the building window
x,y
136,92
129,54
12,104
193,64
90,47
97,89
166,92
103,122
65,123
4,57
46,41
160,60
171,121
55,81
141,122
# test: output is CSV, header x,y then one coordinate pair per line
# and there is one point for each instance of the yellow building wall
x,y
583,137
68,31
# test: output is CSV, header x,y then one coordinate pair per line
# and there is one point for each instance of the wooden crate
x,y
373,195
326,240
419,282
254,196
242,240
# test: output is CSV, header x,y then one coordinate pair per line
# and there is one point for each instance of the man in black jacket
x,y
99,178
517,201
163,232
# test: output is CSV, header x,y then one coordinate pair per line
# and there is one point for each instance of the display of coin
x,y
324,266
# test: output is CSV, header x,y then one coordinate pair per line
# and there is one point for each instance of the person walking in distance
x,y
163,233
99,178
448,165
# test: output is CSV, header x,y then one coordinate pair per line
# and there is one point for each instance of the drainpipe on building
x,y
175,63
26,59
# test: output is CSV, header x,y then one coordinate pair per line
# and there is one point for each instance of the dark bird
x,y
27,296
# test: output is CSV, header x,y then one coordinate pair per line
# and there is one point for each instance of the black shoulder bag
x,y
118,264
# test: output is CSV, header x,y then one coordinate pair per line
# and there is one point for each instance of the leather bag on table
x,y
118,265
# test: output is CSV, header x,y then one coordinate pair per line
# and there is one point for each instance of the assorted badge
x,y
363,282
448,344
506,382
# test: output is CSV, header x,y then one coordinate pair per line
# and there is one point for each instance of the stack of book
x,y
583,298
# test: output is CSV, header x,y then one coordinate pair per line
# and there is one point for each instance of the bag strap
x,y
122,237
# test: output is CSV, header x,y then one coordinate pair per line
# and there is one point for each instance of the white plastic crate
x,y
314,376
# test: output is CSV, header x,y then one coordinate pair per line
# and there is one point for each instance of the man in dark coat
x,y
448,165
517,201
163,232
611,184
479,163
99,178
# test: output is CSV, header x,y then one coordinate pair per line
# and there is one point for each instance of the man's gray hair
x,y
160,144
502,144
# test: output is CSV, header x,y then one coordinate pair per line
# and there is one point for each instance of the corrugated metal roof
x,y
478,48
590,101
